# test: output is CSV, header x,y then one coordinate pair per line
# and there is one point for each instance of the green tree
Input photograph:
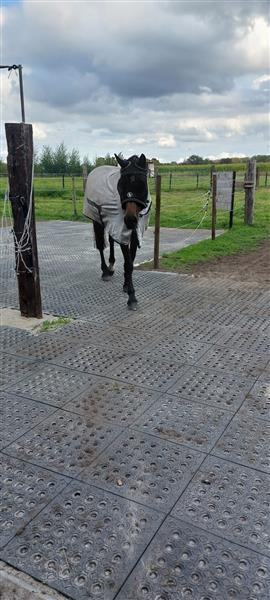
x,y
194,159
87,162
74,163
46,161
36,161
262,157
61,159
104,160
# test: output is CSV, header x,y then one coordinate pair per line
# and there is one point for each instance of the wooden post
x,y
197,180
85,174
266,177
249,185
20,172
170,182
74,197
232,200
214,205
63,181
211,175
157,222
257,177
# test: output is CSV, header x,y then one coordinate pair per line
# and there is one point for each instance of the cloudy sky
x,y
169,78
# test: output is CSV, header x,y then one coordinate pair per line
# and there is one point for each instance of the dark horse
x,y
118,202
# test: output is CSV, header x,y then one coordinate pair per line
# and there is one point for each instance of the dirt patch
x,y
12,318
252,266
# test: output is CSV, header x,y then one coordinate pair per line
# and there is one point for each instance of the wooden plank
x,y
20,169
239,185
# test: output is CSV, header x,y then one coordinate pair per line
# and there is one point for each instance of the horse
x,y
118,202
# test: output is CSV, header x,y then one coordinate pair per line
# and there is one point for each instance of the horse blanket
x,y
102,204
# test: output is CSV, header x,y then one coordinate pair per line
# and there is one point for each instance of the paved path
x,y
135,448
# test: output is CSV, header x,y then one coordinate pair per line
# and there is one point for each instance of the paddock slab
x,y
134,448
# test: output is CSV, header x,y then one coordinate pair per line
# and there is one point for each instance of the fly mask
x,y
132,185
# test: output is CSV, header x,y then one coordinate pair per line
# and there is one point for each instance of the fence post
x,y
85,173
249,185
211,175
21,194
232,201
63,181
197,180
74,198
157,222
257,177
214,205
266,177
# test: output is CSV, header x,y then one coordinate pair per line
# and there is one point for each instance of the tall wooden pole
x,y
214,205
20,171
157,222
249,185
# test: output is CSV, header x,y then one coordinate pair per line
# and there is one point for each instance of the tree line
x,y
59,160
194,159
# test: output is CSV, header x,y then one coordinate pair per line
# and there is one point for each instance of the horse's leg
x,y
99,237
133,245
133,250
112,257
128,284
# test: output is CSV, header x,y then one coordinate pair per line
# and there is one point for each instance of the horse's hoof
x,y
106,276
132,306
125,289
132,303
111,269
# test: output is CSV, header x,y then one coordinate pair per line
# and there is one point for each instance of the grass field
x,y
183,205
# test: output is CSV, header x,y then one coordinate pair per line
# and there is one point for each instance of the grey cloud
x,y
175,48
230,12
61,88
115,75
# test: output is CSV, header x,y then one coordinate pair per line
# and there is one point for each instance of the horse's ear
x,y
142,161
121,161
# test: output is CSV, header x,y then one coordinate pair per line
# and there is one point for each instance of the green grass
x,y
182,200
53,324
239,239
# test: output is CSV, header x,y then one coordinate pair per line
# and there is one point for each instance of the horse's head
x,y
132,187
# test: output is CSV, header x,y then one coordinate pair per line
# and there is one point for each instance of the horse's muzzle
x,y
131,222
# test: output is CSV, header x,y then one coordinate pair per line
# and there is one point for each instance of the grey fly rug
x,y
102,204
